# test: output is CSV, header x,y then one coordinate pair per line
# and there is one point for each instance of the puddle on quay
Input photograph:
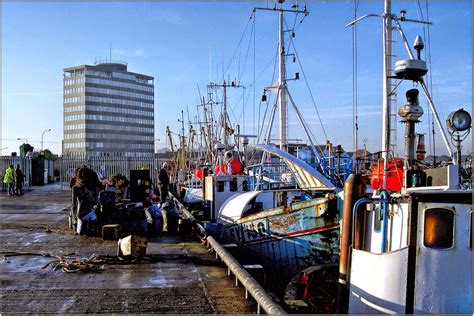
x,y
65,306
25,263
159,279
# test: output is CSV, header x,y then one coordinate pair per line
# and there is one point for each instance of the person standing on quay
x,y
18,180
163,182
8,179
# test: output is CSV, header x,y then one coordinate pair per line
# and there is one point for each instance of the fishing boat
x,y
282,213
408,249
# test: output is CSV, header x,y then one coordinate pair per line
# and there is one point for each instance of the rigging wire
x,y
261,121
427,53
430,78
238,45
291,43
240,74
254,63
420,15
355,113
309,89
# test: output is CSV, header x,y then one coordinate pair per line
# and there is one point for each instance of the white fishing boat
x,y
409,250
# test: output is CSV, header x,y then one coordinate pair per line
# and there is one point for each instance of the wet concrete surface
x,y
179,276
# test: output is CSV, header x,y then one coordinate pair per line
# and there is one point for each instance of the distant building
x,y
108,111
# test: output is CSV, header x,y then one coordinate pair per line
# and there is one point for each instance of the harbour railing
x,y
106,166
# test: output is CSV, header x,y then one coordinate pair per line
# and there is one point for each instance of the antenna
x,y
110,52
210,64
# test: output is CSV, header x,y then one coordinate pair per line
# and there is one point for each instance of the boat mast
x,y
282,100
281,87
388,18
224,114
386,106
225,120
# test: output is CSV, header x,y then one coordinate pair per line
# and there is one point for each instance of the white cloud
x,y
128,52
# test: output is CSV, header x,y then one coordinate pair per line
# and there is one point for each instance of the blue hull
x,y
286,240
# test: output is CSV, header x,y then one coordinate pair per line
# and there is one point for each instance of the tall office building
x,y
108,111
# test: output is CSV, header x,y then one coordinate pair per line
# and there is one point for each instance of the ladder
x,y
393,98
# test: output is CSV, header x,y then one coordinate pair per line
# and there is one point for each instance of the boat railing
x,y
270,176
337,170
193,182
383,210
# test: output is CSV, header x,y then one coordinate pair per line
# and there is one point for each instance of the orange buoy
x,y
236,166
199,173
394,175
221,168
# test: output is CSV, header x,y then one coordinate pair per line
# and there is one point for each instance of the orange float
x,y
394,175
199,173
236,166
221,168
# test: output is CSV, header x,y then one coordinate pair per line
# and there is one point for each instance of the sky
x,y
185,45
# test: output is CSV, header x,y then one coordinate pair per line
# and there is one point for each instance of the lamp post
x,y
155,140
46,130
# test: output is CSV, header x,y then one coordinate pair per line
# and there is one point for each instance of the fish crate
x,y
138,221
132,245
111,232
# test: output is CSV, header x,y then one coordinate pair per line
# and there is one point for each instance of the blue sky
x,y
180,42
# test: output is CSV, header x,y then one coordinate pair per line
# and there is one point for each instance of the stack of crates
x,y
139,185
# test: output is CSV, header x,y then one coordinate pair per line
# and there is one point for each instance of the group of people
x,y
13,180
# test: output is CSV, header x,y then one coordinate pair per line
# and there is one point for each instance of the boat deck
x,y
177,276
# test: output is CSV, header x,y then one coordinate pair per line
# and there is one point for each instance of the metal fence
x,y
106,166
25,165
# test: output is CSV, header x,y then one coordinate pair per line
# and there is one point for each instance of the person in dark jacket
x,y
18,180
163,182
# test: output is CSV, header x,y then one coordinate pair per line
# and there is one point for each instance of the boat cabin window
x,y
377,218
233,185
220,186
439,228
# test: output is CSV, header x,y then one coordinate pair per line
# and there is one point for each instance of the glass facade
x,y
108,111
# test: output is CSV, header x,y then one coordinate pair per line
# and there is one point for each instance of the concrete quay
x,y
179,276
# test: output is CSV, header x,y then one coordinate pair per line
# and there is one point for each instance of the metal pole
x,y
224,115
282,85
46,130
387,47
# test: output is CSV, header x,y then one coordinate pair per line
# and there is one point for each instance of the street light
x,y
25,139
154,141
46,130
